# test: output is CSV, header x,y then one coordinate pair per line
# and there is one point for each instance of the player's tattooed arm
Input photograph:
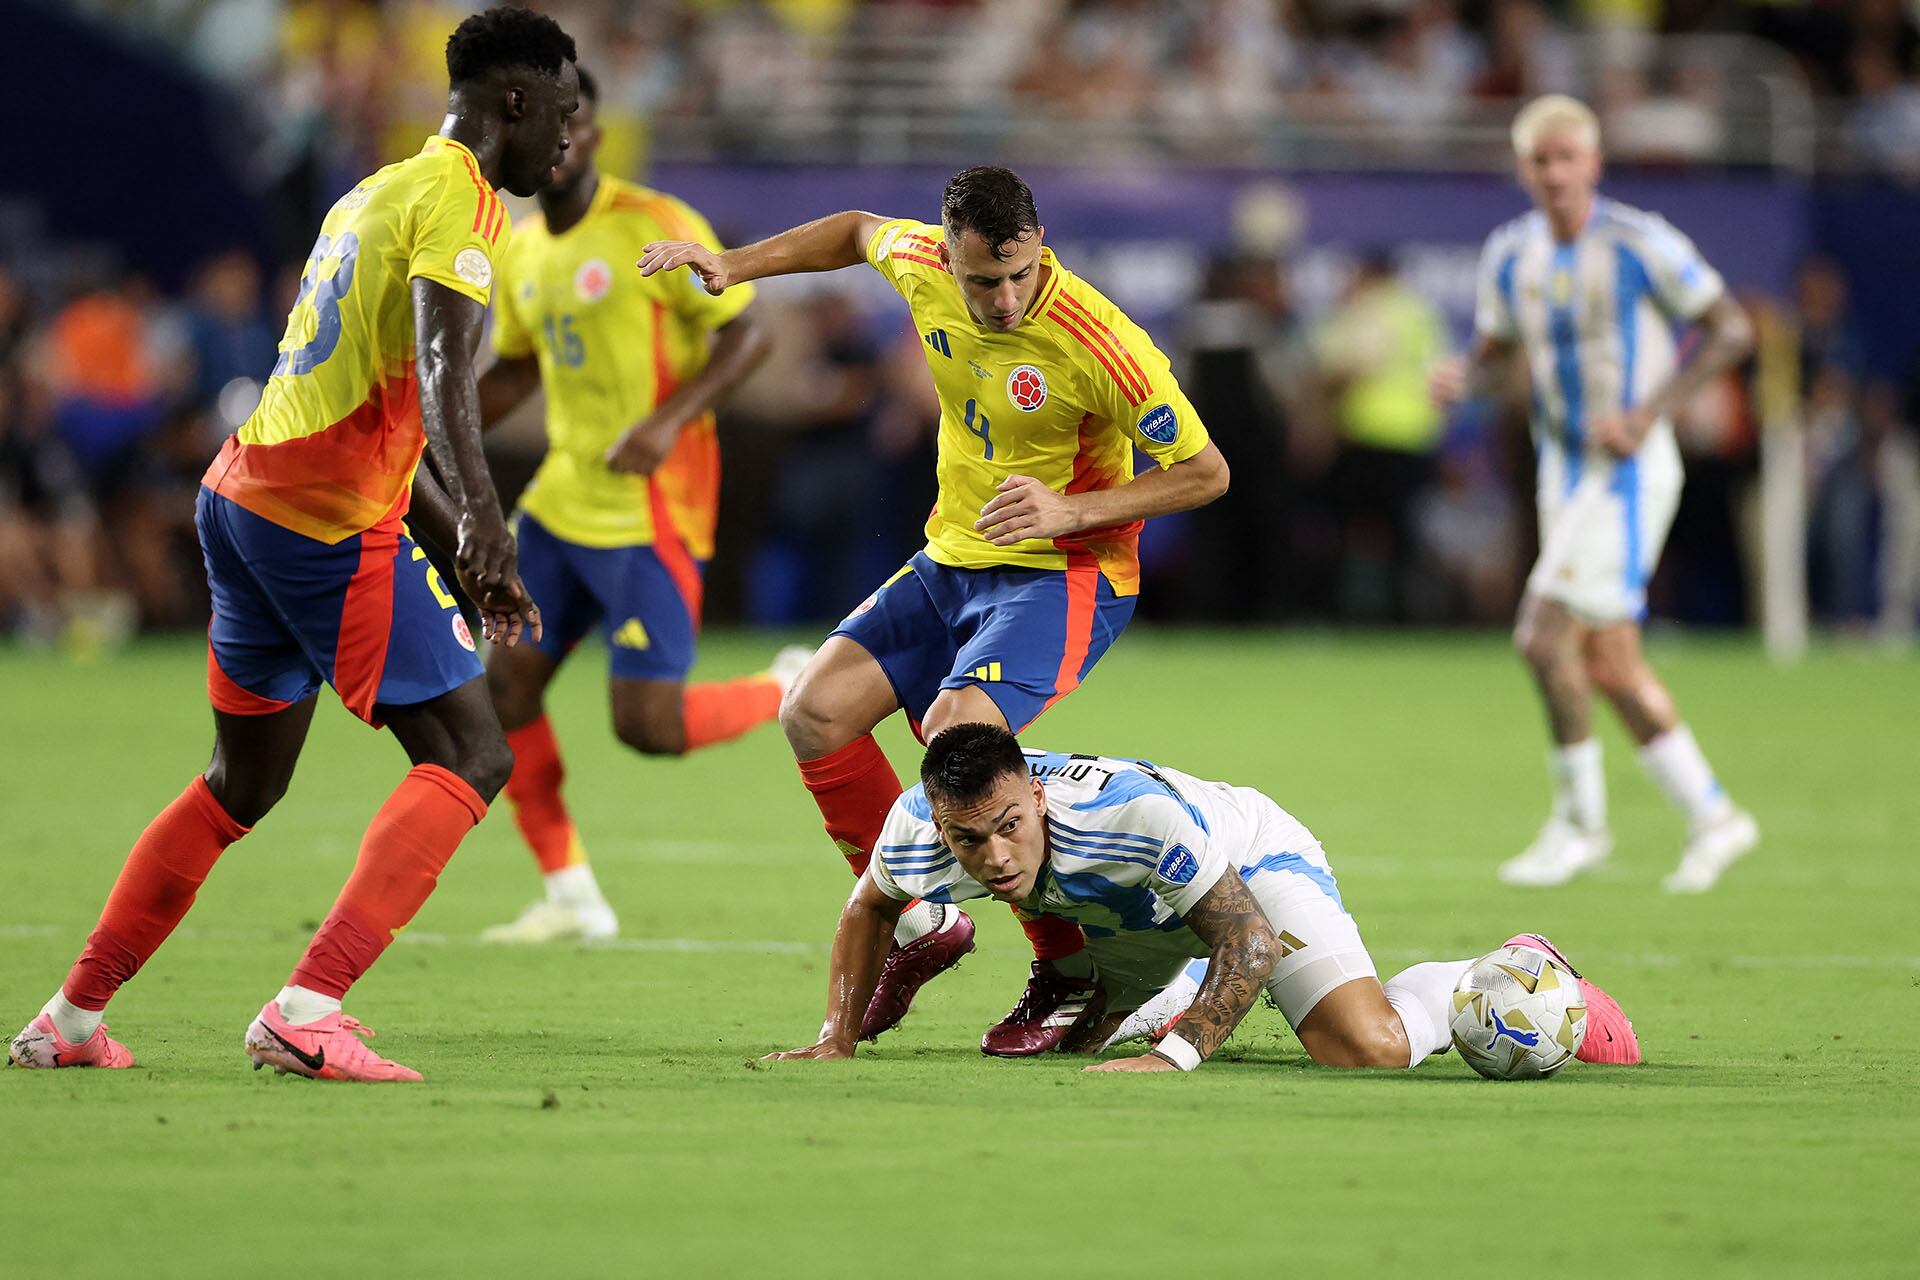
x,y
859,948
1729,337
738,348
446,327
825,244
1245,950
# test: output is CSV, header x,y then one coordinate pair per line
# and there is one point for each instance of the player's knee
x,y
650,735
487,766
1376,1044
1538,649
246,796
808,721
1614,676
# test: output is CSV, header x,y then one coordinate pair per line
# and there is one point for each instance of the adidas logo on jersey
x,y
937,339
632,635
990,672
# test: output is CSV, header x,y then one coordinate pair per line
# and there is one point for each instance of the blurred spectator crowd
x,y
338,82
1353,500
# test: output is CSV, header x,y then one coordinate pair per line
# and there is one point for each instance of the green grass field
x,y
602,1108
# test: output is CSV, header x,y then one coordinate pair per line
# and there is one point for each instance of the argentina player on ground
x,y
1158,868
1031,568
1588,290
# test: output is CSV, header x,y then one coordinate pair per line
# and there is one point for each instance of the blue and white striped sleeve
x,y
1684,283
1493,316
902,841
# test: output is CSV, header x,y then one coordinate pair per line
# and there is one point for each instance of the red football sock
x,y
534,792
1053,938
722,711
168,864
409,841
854,787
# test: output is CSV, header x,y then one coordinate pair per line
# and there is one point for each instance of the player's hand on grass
x,y
1025,508
508,614
1448,381
825,1051
1145,1062
1621,434
642,447
665,255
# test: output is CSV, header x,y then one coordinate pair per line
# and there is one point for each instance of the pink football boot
x,y
330,1049
39,1044
1610,1038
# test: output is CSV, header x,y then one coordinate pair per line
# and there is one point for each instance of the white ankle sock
x,y
300,1006
919,920
573,885
1421,995
75,1025
1677,765
1580,784
1078,965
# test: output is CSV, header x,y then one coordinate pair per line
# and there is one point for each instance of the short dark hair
x,y
992,202
505,37
963,763
589,87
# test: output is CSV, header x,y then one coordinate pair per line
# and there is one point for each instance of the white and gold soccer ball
x,y
1518,1015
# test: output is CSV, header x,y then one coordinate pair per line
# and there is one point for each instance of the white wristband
x,y
1177,1051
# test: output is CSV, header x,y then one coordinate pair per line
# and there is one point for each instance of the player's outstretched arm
x,y
825,244
738,348
1728,339
1245,951
859,948
1028,508
446,327
505,386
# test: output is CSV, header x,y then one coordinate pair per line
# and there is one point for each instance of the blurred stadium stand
x,y
1221,167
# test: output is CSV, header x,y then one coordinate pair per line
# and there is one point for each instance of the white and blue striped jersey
x,y
1595,319
1130,847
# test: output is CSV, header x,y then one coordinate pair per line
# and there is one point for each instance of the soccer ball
x,y
1518,1015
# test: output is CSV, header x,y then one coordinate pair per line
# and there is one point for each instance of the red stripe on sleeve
x,y
1144,383
914,257
1099,351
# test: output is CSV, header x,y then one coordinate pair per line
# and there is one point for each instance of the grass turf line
x,y
595,1108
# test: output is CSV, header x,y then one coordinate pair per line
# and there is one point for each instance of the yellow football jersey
x,y
331,450
612,345
1065,397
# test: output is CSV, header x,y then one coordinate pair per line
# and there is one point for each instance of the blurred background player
x,y
1159,867
617,526
1031,567
1588,291
315,579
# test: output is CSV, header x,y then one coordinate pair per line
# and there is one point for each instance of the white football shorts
x,y
1288,874
1600,543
